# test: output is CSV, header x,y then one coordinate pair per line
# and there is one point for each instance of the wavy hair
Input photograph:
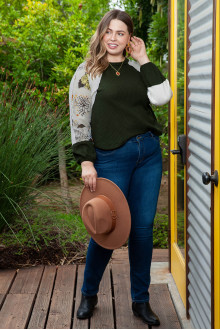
x,y
96,61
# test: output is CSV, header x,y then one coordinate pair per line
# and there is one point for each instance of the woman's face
x,y
116,37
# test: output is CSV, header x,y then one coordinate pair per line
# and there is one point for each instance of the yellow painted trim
x,y
173,120
177,260
178,269
217,167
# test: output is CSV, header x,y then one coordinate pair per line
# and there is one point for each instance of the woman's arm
x,y
80,118
158,87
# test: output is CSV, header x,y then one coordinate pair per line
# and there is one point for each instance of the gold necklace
x,y
117,71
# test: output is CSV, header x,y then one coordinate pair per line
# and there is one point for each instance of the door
x,y
195,265
177,129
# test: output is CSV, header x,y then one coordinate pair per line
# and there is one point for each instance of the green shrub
x,y
47,40
160,231
28,140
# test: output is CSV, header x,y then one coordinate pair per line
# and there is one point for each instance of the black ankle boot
x,y
86,307
144,311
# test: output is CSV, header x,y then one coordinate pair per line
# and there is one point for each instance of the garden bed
x,y
51,237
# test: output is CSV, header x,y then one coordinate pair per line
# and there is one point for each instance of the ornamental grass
x,y
28,148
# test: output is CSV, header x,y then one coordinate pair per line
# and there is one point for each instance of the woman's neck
x,y
115,58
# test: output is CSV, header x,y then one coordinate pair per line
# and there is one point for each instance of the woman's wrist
x,y
143,60
87,163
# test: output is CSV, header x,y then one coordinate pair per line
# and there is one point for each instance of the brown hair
x,y
96,61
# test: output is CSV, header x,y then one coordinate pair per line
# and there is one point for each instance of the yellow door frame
x,y
217,167
178,267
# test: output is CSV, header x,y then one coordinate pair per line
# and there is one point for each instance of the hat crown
x,y
100,215
110,227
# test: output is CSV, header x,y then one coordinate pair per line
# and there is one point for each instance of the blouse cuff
x,y
84,151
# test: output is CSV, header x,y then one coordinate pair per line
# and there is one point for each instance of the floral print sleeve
x,y
80,116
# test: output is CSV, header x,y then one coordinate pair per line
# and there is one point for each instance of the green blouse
x,y
121,108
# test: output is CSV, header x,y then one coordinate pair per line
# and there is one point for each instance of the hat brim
x,y
119,235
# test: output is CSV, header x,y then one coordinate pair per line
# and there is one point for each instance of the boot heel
x,y
144,312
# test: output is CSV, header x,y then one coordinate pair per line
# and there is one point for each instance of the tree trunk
x,y
63,176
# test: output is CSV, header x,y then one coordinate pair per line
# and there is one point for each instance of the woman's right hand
x,y
89,175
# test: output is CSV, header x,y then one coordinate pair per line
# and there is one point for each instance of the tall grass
x,y
28,148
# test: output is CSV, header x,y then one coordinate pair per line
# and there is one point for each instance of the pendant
x,y
117,73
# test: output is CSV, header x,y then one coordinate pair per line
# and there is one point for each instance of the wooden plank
x,y
162,305
6,278
16,310
103,317
62,299
120,256
42,303
79,324
160,255
125,318
27,280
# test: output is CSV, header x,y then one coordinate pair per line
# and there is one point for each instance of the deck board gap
x,y
30,311
113,298
48,311
74,297
13,279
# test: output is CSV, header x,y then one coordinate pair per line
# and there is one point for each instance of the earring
x,y
128,48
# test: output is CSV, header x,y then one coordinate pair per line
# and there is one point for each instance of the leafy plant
x,y
46,40
160,231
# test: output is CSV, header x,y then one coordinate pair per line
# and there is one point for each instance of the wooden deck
x,y
47,297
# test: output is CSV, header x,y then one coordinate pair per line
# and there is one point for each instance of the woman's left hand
x,y
138,50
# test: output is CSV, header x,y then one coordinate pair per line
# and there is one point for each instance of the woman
x,y
115,135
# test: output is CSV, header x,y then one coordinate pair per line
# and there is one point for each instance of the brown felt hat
x,y
105,213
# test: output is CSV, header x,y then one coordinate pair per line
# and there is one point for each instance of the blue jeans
x,y
136,167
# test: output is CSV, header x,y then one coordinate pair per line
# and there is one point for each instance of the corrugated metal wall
x,y
199,229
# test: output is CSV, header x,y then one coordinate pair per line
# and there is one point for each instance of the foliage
x,y
28,139
74,167
158,37
180,68
160,231
49,228
46,41
157,49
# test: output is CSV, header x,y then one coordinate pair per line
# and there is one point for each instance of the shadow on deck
x,y
48,297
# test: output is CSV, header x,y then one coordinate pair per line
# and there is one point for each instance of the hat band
x,y
113,212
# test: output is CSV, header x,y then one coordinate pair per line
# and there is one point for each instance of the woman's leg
x,y
142,199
